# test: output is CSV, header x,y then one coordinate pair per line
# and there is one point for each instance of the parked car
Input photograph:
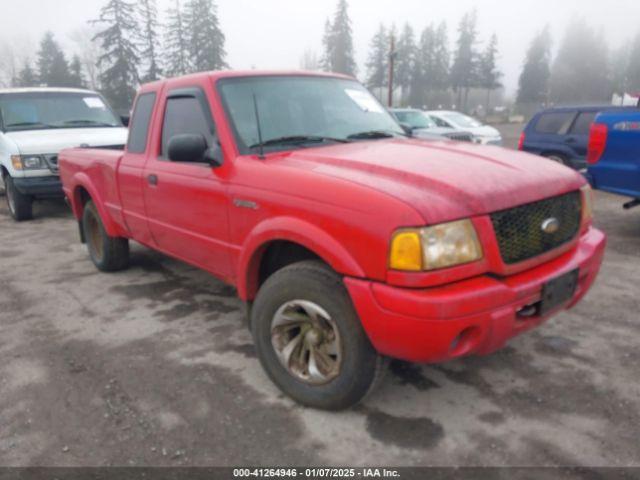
x,y
422,126
561,134
349,241
35,124
614,154
484,134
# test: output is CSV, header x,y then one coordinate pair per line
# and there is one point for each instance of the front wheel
x,y
20,205
108,254
309,338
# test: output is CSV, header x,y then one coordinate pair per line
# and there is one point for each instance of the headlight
x,y
28,162
587,204
436,247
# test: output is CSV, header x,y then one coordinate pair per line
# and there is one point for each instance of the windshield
x,y
415,119
292,110
45,110
462,120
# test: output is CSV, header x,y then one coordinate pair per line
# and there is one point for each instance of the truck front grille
x,y
520,230
52,162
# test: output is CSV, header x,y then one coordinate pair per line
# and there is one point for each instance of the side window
x,y
139,128
185,114
441,123
582,126
556,123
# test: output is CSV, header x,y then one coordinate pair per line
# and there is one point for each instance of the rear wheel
x,y
309,338
20,205
108,254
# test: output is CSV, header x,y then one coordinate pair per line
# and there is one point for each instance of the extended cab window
x,y
139,129
583,123
185,114
556,123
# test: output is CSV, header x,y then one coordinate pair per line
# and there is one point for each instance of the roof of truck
x,y
44,89
220,74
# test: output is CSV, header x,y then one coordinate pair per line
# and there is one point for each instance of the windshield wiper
x,y
374,134
88,122
295,139
29,124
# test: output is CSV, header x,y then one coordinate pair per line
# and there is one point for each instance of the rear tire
x,y
20,205
333,364
108,254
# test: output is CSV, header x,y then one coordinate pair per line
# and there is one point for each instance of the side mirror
x,y
408,129
193,148
125,120
187,148
214,155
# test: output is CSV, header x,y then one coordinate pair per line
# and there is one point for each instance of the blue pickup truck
x,y
613,154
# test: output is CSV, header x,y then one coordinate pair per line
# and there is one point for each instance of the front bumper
x,y
39,186
474,316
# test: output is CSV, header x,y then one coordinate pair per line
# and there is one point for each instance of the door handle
x,y
152,179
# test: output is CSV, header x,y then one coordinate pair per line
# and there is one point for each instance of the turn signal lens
x,y
436,247
587,204
406,251
16,161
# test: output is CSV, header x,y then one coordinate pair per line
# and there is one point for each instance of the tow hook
x,y
633,203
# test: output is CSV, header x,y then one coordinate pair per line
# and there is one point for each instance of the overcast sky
x,y
273,34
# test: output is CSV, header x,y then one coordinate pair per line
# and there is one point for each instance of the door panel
x,y
187,203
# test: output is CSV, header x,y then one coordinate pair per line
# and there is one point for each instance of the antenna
x,y
260,143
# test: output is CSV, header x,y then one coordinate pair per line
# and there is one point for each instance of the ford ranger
x,y
614,154
349,241
35,124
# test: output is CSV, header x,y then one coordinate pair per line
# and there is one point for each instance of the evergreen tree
x,y
533,85
406,57
53,68
378,60
205,40
619,68
421,77
633,66
489,74
27,77
149,39
119,60
464,71
176,42
338,42
579,72
75,73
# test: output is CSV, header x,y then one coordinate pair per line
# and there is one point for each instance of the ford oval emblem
x,y
550,225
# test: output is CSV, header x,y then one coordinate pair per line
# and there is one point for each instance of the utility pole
x,y
392,59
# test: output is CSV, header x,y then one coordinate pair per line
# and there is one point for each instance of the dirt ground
x,y
154,366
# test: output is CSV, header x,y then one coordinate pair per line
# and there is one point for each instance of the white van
x,y
35,124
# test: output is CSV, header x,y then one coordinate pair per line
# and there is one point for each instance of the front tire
x,y
20,205
309,338
108,254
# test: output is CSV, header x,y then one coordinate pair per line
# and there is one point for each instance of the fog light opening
x,y
465,342
528,311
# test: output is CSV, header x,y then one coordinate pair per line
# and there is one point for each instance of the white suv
x,y
35,124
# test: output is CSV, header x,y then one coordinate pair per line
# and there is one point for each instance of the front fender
x,y
82,180
293,230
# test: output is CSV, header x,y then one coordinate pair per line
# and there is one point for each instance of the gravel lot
x,y
154,366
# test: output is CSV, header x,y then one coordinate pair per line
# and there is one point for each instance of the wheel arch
x,y
83,191
303,239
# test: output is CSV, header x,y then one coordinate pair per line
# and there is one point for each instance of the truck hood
x,y
443,181
54,140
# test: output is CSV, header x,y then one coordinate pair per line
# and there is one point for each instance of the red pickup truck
x,y
350,241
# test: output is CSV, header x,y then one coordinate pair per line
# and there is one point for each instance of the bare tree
x,y
14,54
